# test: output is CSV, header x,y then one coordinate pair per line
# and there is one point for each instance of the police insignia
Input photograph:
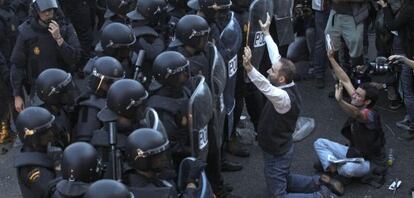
x,y
13,28
36,50
33,175
28,132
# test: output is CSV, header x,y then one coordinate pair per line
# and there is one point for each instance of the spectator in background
x,y
403,22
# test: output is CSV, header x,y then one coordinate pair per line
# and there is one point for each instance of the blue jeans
x,y
408,91
325,148
320,59
281,183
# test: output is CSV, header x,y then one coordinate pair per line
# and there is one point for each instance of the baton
x,y
138,63
112,143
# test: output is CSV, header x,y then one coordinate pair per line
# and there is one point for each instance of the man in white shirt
x,y
276,125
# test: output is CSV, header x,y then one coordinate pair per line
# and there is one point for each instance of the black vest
x,y
275,130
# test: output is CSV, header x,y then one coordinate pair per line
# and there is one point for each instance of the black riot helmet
x,y
119,7
171,68
191,30
149,11
34,127
106,70
146,148
116,40
107,188
55,86
182,4
124,98
210,8
81,162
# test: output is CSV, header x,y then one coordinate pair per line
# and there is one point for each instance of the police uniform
x,y
34,171
36,50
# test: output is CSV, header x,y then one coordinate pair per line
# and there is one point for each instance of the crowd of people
x,y
142,98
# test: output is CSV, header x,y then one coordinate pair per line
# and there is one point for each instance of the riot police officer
x,y
226,32
147,152
117,41
170,69
176,10
106,70
123,113
150,30
8,28
45,40
56,92
106,188
81,166
35,166
116,11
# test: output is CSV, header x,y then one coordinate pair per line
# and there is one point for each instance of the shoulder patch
x,y
33,175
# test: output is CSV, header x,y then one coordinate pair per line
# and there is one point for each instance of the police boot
x,y
230,166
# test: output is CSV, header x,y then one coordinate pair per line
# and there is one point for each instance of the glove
x,y
194,173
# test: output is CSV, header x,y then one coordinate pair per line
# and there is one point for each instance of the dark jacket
x,y
36,50
403,22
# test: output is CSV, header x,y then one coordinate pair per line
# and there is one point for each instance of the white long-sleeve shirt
x,y
276,95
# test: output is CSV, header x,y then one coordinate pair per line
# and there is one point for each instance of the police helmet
x,y
34,127
210,8
107,188
179,3
54,86
81,162
106,70
119,7
191,30
123,99
43,5
167,67
116,38
146,150
149,11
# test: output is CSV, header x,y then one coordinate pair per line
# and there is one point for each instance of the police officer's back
x,y
45,40
35,168
81,166
106,70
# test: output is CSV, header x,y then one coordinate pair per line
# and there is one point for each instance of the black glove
x,y
196,168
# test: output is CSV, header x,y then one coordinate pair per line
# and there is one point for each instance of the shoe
x,y
409,135
326,193
404,124
318,166
236,149
227,187
334,185
395,104
320,83
228,166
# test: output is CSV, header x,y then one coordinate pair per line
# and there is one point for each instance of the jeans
x,y
281,183
320,59
325,148
408,91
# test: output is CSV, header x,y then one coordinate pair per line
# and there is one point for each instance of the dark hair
x,y
287,69
371,93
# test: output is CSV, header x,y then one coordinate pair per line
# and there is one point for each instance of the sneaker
x,y
405,124
408,135
320,83
334,185
395,104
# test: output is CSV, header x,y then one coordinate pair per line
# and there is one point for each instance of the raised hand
x,y
265,26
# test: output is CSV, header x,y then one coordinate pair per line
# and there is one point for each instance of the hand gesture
x,y
382,3
54,30
247,64
338,91
398,59
265,27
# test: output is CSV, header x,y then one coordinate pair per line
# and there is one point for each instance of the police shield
x,y
255,38
283,15
203,190
199,115
218,81
152,121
